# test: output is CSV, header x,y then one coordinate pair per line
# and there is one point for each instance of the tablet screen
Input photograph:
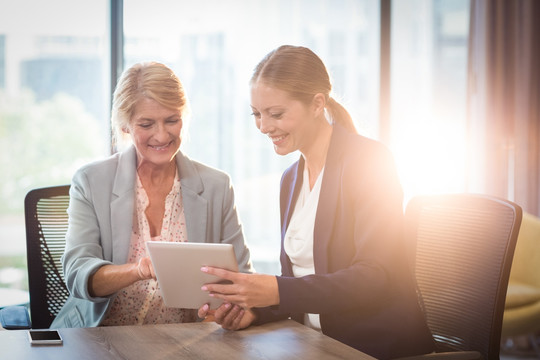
x,y
178,270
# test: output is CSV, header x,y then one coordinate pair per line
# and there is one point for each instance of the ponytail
x,y
340,115
300,72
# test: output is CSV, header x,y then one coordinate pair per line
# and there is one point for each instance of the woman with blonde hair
x,y
150,191
343,263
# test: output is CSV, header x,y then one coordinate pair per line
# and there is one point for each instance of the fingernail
x,y
204,269
204,288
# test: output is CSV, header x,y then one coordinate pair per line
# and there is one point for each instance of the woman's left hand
x,y
246,290
229,316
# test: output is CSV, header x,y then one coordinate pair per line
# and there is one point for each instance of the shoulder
x,y
191,167
347,147
198,177
103,174
98,171
353,141
361,164
100,167
209,173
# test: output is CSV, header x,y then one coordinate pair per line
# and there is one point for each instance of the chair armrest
x,y
15,317
454,355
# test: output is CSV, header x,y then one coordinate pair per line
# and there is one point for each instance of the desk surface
x,y
279,340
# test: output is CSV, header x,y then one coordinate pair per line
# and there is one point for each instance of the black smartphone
x,y
44,337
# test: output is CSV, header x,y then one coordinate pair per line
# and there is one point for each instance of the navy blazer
x,y
362,288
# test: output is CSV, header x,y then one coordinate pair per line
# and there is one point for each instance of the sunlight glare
x,y
430,157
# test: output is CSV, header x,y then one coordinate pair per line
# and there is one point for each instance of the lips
x,y
277,139
159,147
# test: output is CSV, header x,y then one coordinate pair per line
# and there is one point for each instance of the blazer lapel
x,y
195,206
122,205
328,199
289,195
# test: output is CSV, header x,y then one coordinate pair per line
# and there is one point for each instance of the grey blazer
x,y
101,217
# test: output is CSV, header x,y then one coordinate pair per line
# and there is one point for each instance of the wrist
x,y
137,271
276,291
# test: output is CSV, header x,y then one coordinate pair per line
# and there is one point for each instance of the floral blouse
x,y
141,302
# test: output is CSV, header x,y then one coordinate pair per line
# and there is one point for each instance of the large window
x,y
55,96
214,45
53,107
428,92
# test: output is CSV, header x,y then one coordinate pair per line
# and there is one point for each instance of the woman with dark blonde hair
x,y
150,191
343,263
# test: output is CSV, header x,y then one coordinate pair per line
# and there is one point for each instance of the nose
x,y
161,134
265,124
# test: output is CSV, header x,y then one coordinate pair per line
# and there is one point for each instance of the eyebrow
x,y
174,116
268,108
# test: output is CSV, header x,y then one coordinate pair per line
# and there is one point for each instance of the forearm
x,y
111,278
358,286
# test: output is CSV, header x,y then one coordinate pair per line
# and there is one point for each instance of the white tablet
x,y
178,270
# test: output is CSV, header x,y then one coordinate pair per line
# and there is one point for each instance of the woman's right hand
x,y
229,316
145,269
108,279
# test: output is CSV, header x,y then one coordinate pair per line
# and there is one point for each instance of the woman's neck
x,y
315,155
156,175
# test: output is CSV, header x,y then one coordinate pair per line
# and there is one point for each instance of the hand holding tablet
x,y
178,270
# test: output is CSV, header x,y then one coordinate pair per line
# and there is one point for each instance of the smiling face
x,y
289,123
155,131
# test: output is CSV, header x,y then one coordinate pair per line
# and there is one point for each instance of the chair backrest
x,y
464,245
46,225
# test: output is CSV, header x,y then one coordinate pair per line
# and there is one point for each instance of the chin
x,y
282,152
162,159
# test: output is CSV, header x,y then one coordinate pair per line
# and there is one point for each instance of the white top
x,y
298,242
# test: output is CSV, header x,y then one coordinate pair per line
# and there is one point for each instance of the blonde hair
x,y
152,80
300,72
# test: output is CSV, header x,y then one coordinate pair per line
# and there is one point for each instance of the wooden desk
x,y
279,340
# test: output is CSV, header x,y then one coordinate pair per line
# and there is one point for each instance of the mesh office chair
x,y
464,245
46,225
